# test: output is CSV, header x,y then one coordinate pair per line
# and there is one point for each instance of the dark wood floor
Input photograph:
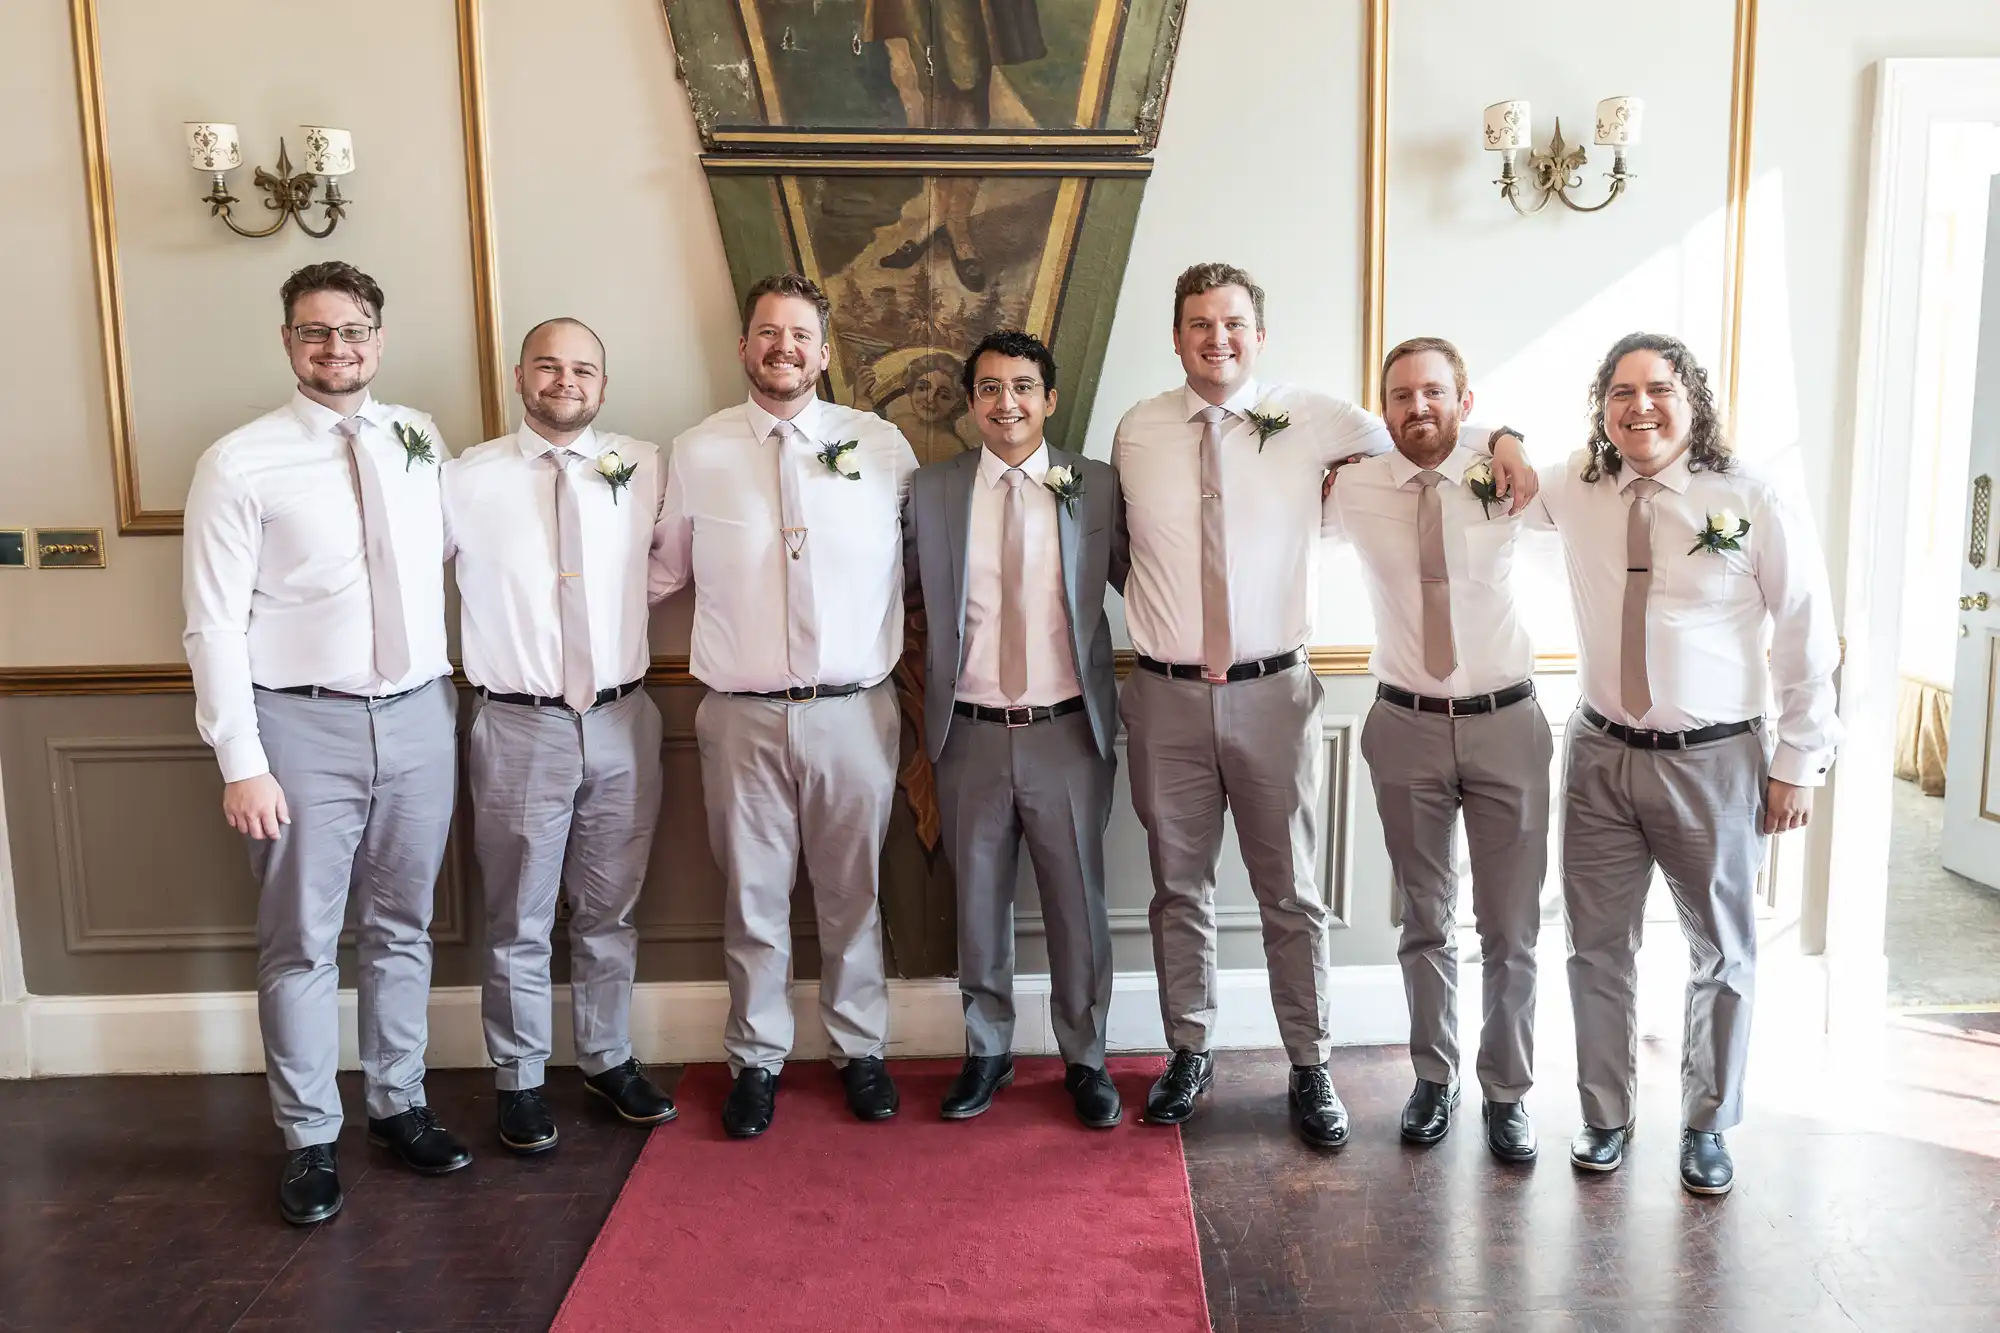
x,y
1866,1201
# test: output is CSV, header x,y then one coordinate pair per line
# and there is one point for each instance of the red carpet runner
x,y
1019,1220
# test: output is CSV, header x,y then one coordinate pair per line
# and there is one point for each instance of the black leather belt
x,y
609,695
1468,705
1018,717
799,694
1640,739
322,692
1269,666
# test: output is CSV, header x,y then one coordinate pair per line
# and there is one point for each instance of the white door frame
x,y
1910,95
14,1053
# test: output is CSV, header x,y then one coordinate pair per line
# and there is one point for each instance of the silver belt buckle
x,y
1027,713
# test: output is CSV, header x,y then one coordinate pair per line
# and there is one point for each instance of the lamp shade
x,y
213,146
1506,126
1618,121
329,152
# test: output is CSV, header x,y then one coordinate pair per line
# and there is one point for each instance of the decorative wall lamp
x,y
214,147
1556,172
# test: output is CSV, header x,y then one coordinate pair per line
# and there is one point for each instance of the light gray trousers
x,y
1253,747
370,788
1427,767
1698,815
786,781
1048,783
562,800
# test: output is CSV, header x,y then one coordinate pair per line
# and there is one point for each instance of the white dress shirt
x,y
1724,630
1374,506
719,528
274,578
1051,660
500,522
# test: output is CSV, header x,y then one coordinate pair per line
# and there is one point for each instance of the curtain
x,y
1923,726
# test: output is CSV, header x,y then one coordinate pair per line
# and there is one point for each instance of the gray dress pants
x,y
1048,783
370,787
1698,815
1427,768
1254,748
559,800
785,781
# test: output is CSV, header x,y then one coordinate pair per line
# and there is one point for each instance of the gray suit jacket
x,y
935,524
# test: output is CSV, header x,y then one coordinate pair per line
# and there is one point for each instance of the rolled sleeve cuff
x,y
1801,768
242,758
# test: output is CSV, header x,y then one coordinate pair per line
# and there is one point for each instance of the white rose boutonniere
x,y
616,471
1066,485
417,446
1269,418
1479,480
840,459
1724,531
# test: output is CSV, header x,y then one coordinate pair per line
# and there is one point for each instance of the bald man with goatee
x,y
551,527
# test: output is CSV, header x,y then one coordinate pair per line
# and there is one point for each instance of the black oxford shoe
x,y
1595,1149
1317,1114
1096,1097
309,1188
1172,1098
525,1124
978,1079
1510,1135
420,1142
636,1098
870,1093
1427,1115
1705,1164
747,1111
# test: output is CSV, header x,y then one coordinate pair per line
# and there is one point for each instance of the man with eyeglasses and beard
x,y
313,582
785,512
550,527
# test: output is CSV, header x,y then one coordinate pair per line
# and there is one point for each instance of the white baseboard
x,y
672,1022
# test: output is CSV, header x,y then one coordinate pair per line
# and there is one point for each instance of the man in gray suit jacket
x,y
1012,547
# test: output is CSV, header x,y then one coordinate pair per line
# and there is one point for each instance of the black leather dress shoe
x,y
1705,1164
1096,1097
978,1079
1171,1100
309,1188
870,1093
1427,1115
420,1142
636,1098
1510,1135
1595,1149
526,1127
748,1109
1317,1114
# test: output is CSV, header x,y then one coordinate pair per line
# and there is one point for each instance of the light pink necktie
x,y
801,614
1218,651
385,589
1013,599
578,674
1634,690
1440,653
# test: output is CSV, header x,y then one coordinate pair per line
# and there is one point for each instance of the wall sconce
x,y
1555,172
214,147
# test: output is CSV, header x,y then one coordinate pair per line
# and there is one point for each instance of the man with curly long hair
x,y
1701,598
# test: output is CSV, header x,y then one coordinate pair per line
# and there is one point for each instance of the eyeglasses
x,y
319,333
987,391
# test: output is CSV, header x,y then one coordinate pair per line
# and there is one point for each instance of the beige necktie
x,y
1440,654
1634,691
385,589
1218,652
801,615
1013,599
579,676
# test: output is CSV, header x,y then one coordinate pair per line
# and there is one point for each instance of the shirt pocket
x,y
1489,551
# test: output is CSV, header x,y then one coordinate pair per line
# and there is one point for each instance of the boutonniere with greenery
x,y
1479,480
1269,419
616,471
1066,485
417,446
1724,532
840,460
